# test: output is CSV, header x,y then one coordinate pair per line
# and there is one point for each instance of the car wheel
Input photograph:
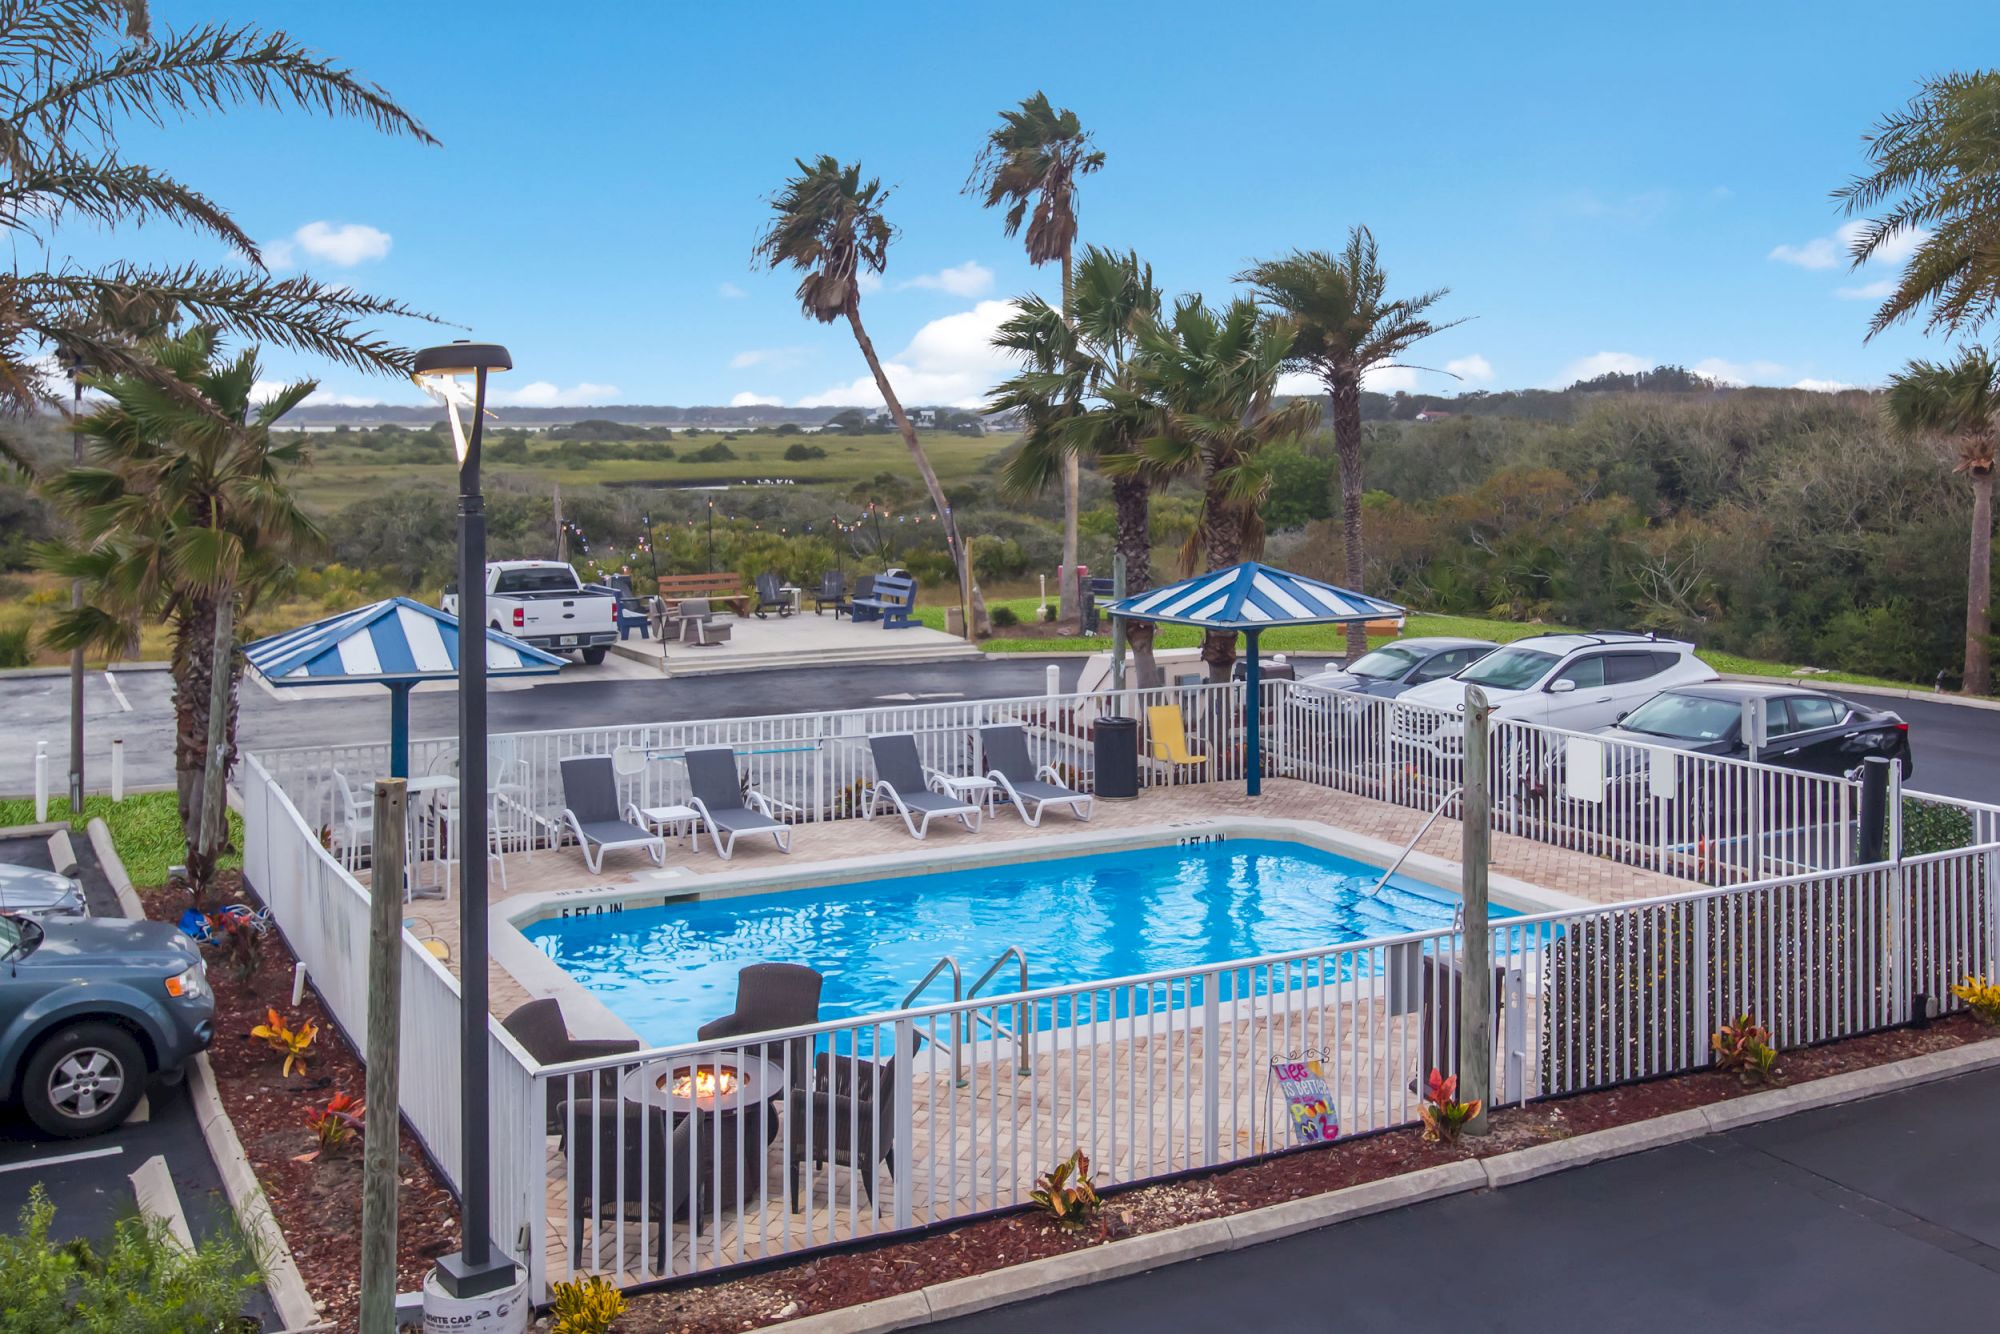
x,y
594,656
83,1079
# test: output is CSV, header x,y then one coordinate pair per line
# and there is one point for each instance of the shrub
x,y
802,452
1744,1049
584,1307
1444,1114
291,1043
144,1284
239,942
16,644
334,1124
1066,1193
1981,996
1932,826
1004,617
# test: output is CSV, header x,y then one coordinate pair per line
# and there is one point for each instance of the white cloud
x,y
1389,379
1823,386
544,394
265,390
731,291
1826,252
777,358
1474,369
344,245
1738,372
1383,379
749,400
968,279
868,281
1303,384
1599,363
950,360
1874,291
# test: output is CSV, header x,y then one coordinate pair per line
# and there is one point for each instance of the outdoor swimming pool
x,y
666,970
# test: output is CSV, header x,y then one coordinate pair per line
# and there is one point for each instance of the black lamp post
x,y
476,1268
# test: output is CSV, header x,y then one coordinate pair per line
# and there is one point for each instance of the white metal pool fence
x,y
1708,819
1157,1074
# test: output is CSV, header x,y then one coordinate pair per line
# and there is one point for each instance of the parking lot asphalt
x,y
1879,1215
88,1180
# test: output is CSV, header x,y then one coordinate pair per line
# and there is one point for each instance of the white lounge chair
x,y
1032,789
916,792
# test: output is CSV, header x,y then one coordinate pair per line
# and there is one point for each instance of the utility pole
x,y
1475,1012
76,601
383,1117
562,534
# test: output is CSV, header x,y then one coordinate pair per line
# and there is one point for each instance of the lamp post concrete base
x,y
453,1306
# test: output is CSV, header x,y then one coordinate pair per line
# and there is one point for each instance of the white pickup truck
x,y
543,603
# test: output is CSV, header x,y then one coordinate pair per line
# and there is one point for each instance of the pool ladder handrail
x,y
957,995
1411,846
1020,1010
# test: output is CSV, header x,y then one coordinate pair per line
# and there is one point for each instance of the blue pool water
x,y
666,970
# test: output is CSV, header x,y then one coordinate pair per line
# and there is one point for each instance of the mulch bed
x,y
318,1204
849,1278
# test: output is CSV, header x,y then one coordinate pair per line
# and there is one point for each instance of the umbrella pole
x,y
1254,777
399,731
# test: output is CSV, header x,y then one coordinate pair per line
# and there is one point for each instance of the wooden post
x,y
1475,1010
385,987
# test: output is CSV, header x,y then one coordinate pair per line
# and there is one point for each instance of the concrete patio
x,y
801,639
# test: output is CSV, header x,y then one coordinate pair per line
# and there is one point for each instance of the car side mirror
x,y
1623,716
1562,687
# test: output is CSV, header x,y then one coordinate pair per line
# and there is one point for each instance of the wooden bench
x,y
723,590
893,600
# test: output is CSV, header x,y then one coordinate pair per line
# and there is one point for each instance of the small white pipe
x,y
1054,676
1041,612
118,768
298,984
41,782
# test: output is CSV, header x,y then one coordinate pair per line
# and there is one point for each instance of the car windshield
x,y
1509,668
17,935
1385,664
1683,717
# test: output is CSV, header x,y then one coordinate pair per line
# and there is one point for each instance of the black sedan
x,y
1803,729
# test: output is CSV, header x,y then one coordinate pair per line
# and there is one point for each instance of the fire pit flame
x,y
706,1081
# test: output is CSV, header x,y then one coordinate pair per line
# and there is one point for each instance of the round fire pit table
x,y
720,1084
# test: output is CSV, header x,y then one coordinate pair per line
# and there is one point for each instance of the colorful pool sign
x,y
1303,1084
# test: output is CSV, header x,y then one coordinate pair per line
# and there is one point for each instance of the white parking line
x,y
63,1158
112,681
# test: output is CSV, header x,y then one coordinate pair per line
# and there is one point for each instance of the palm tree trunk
x,y
1222,543
1979,587
1131,502
1345,389
1069,610
982,624
213,830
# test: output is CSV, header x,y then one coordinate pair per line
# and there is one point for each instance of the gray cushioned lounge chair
x,y
720,802
1031,789
916,793
590,809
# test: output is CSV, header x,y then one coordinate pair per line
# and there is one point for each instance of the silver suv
x,y
90,1008
1579,682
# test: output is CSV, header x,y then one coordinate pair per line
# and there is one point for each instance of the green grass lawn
x,y
1333,639
146,830
343,473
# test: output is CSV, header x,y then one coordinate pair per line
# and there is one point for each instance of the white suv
x,y
1578,682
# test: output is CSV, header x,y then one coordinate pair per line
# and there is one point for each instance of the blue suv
x,y
90,1008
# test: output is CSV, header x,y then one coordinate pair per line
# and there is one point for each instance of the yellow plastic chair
x,y
1167,735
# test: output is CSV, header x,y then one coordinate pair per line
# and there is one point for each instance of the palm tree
x,y
71,71
183,514
1960,401
829,227
1078,389
1215,373
1031,163
1342,326
1936,172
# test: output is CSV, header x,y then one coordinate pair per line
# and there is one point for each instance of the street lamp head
x,y
461,358
436,370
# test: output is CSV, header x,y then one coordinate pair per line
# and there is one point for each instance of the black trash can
x,y
1117,741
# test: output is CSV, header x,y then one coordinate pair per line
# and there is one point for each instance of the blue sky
x,y
1601,186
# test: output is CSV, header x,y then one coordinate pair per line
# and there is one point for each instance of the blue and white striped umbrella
x,y
393,642
1251,596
